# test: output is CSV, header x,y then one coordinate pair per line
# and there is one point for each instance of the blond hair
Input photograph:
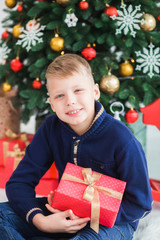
x,y
68,64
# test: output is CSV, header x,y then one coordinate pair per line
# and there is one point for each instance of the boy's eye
x,y
59,96
78,90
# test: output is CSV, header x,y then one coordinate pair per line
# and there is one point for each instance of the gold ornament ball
x,y
6,87
11,3
17,30
63,2
109,84
125,69
149,24
57,43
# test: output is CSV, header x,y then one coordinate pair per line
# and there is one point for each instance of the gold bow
x,y
17,154
21,136
91,193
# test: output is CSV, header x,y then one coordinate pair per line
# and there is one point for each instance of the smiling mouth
x,y
74,112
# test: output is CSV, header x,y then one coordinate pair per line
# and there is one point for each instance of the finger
x,y
68,213
79,221
52,194
74,229
72,216
48,206
51,209
50,197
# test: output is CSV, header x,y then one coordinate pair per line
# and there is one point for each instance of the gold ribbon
x,y
9,133
91,193
4,147
22,136
17,154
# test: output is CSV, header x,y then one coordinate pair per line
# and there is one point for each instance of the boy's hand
x,y
57,222
53,210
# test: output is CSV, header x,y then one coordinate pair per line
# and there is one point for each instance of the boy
x,y
80,132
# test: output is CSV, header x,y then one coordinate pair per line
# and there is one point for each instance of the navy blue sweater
x,y
108,147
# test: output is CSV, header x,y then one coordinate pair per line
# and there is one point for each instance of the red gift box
x,y
7,144
6,172
52,173
78,184
45,186
11,165
3,177
155,188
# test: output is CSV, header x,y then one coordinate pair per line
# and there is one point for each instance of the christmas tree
x,y
120,40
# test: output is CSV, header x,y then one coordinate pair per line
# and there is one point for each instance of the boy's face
x,y
73,100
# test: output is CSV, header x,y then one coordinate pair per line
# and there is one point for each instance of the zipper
x,y
75,149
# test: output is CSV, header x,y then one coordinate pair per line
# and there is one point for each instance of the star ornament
x,y
151,114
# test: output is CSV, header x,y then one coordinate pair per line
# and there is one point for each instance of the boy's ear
x,y
51,104
96,91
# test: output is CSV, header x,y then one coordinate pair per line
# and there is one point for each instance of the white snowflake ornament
x,y
4,51
149,60
32,35
128,20
71,20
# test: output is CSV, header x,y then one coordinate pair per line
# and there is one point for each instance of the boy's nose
x,y
70,99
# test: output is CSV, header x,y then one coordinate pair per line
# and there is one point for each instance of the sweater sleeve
x,y
132,168
20,188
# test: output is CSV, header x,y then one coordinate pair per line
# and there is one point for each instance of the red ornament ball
x,y
36,84
20,8
89,53
16,65
111,11
5,35
158,17
83,5
131,116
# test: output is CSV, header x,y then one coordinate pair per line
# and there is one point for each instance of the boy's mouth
x,y
73,112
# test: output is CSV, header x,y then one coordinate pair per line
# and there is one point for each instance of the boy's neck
x,y
80,130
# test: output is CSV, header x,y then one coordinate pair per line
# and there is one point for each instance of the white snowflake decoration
x,y
128,20
149,60
71,20
31,35
4,51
